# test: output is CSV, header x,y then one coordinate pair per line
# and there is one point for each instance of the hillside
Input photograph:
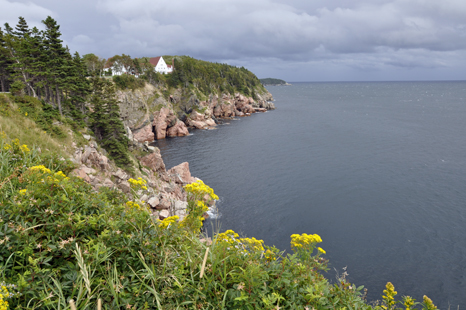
x,y
89,214
274,82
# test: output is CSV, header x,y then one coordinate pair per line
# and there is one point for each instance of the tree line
x,y
35,63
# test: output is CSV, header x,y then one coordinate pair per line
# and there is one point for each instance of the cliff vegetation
x,y
77,231
274,82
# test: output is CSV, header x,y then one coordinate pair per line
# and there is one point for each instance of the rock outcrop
x,y
165,194
149,113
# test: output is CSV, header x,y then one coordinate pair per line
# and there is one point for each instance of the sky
x,y
294,40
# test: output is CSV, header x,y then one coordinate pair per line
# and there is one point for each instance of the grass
x,y
61,241
15,123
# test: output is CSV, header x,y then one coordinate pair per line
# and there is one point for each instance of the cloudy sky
x,y
296,40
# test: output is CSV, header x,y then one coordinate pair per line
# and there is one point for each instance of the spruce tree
x,y
105,121
5,64
57,58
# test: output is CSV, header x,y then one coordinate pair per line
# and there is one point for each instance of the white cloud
x,y
33,13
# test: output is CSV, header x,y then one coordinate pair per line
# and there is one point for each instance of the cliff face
x,y
151,113
165,194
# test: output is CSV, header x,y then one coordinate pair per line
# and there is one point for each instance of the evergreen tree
x,y
105,121
57,58
5,64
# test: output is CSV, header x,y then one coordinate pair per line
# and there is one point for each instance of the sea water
x,y
377,169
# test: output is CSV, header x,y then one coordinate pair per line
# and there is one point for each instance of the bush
x,y
126,81
61,240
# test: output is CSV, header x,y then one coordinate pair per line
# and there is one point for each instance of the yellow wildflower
x,y
23,191
166,222
321,250
408,302
428,303
132,204
24,148
389,296
40,168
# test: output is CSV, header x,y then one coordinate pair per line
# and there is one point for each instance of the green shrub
x,y
126,81
61,240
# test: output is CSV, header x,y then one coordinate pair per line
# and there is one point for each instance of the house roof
x,y
108,64
155,60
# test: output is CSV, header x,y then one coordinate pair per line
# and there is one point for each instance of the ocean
x,y
377,169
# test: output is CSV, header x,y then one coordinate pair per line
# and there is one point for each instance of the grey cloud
x,y
351,35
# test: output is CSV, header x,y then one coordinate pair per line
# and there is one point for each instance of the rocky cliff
x,y
153,113
165,194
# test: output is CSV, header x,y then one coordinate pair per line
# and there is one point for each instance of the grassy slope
x,y
61,240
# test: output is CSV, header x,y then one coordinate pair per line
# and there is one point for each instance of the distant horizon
x,y
362,81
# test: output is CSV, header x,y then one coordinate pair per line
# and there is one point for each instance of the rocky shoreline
x,y
165,194
148,117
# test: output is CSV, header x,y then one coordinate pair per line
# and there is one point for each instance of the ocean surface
x,y
377,169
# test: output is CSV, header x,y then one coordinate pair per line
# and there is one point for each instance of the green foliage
x,y
106,124
126,81
35,63
271,81
213,77
61,240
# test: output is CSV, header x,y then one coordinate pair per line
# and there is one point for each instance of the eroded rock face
x,y
224,109
178,130
144,134
160,123
181,174
196,116
153,161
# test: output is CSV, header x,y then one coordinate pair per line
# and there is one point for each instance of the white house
x,y
116,67
160,65
158,62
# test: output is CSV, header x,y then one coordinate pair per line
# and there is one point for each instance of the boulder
x,y
153,161
164,204
108,183
210,122
180,205
120,174
153,202
164,214
197,124
241,101
160,123
224,109
247,109
196,116
181,173
163,120
144,134
178,130
125,187
181,214
260,109
80,173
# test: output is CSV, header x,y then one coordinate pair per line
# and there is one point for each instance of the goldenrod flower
x,y
428,303
40,168
166,222
24,148
389,296
408,302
